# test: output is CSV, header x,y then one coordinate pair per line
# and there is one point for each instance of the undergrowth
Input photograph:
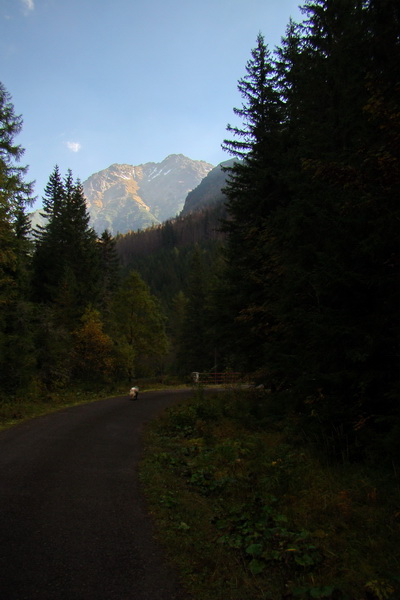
x,y
36,402
247,511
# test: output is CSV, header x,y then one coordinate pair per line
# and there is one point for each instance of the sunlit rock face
x,y
125,198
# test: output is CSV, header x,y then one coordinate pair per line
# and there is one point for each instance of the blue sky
x,y
99,82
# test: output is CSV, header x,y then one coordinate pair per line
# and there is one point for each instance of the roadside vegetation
x,y
248,507
17,409
292,494
38,402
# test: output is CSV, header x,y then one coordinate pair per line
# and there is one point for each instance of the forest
x,y
293,281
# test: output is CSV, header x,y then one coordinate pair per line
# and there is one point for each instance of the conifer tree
x,y
354,353
16,349
254,190
260,111
326,233
321,237
81,244
194,352
46,261
66,261
109,272
15,193
321,69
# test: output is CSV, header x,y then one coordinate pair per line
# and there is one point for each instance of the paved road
x,y
73,525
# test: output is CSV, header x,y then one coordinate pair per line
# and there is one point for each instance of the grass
x,y
22,408
247,511
36,402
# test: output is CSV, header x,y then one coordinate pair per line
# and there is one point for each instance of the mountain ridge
x,y
209,191
124,197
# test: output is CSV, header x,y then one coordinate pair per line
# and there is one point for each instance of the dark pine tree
x,y
195,352
335,237
356,334
16,349
47,259
110,273
254,190
66,258
313,231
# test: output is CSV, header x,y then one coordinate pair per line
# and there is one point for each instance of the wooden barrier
x,y
216,378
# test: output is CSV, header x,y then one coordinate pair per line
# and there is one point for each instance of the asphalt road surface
x,y
73,525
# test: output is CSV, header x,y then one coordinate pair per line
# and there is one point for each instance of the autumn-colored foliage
x,y
92,349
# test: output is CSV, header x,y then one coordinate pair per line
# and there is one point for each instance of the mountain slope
x,y
125,197
209,190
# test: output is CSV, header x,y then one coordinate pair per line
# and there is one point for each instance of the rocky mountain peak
x,y
124,197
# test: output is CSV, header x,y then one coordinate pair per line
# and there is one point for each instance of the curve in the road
x,y
73,524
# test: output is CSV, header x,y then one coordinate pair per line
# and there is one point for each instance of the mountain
x,y
122,198
126,198
198,223
209,191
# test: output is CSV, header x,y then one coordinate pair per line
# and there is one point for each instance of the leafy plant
x,y
314,592
381,589
231,497
260,531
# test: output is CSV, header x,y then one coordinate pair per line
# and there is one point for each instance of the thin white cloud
x,y
29,5
73,146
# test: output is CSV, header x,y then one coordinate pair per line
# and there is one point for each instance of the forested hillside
x,y
313,240
305,292
209,191
301,289
178,260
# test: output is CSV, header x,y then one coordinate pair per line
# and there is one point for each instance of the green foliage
x,y
139,323
58,293
260,110
66,258
314,592
260,531
16,347
53,343
14,191
313,230
305,294
194,348
18,353
235,496
110,276
36,400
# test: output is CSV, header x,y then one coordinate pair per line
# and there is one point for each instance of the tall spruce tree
x,y
15,193
195,352
321,71
81,244
46,260
358,293
326,235
66,260
16,349
330,237
110,275
254,190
